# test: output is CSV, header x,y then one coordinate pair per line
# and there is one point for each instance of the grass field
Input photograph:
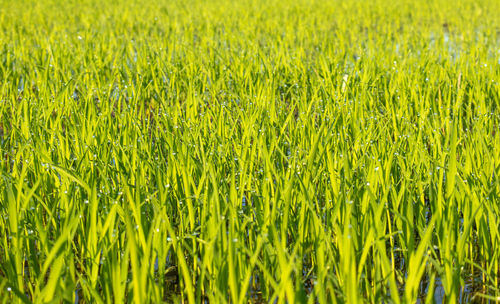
x,y
249,151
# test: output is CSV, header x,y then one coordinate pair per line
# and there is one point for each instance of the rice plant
x,y
298,151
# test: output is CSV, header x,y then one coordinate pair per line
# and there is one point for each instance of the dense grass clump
x,y
263,151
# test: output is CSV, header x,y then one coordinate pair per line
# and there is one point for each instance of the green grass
x,y
249,151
